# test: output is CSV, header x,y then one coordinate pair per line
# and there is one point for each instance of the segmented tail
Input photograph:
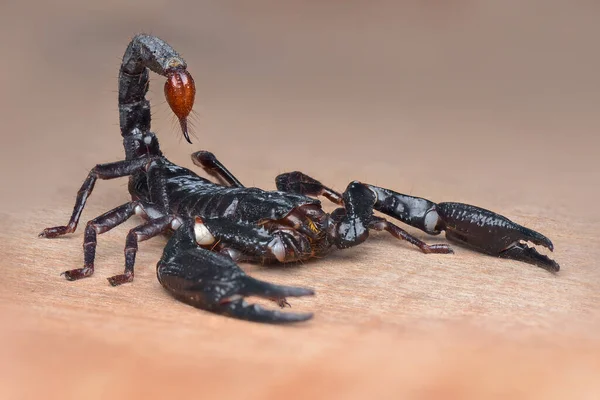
x,y
144,53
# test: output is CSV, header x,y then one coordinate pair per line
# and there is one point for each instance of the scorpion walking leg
x,y
98,225
209,163
381,224
213,281
101,171
139,234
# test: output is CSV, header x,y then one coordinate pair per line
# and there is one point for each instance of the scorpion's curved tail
x,y
145,53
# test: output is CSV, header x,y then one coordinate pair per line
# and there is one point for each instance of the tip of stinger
x,y
184,129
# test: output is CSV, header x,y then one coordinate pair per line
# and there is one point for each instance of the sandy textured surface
x,y
489,103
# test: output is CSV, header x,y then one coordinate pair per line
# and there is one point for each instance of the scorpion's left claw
x,y
491,233
214,282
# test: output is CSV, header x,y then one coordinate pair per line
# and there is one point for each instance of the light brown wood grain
x,y
487,103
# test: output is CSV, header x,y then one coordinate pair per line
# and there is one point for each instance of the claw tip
x,y
555,267
298,317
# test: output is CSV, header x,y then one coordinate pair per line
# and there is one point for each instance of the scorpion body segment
x,y
193,195
215,225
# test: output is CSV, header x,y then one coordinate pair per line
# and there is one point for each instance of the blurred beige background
x,y
493,103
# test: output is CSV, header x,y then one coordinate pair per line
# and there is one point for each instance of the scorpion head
x,y
180,92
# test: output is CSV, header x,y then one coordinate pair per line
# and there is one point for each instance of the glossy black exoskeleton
x,y
215,225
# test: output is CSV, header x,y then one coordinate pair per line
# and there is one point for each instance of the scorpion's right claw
x,y
522,252
213,282
494,234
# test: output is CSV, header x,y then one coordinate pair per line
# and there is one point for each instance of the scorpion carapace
x,y
216,225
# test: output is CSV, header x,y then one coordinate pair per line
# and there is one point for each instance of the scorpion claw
x,y
254,312
522,252
493,234
213,282
254,287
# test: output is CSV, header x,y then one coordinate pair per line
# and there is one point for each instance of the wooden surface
x,y
489,103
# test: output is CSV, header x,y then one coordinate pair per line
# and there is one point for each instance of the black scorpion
x,y
213,226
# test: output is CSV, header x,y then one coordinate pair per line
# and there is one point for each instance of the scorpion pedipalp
x,y
213,282
471,226
494,234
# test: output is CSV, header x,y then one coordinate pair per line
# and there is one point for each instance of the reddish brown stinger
x,y
180,92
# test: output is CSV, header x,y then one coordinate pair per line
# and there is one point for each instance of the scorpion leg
x,y
140,233
99,225
381,224
213,281
209,163
101,171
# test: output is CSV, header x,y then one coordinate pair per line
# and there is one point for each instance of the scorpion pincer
x,y
214,226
